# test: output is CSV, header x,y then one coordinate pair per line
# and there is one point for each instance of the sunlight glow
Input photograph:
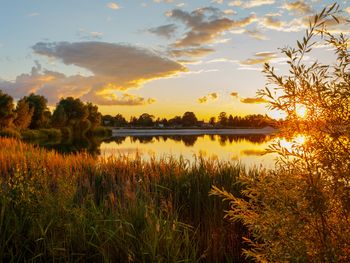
x,y
301,110
291,144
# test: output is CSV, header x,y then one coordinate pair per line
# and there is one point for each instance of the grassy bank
x,y
77,208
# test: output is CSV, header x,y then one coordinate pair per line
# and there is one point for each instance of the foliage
x,y
6,110
94,116
41,113
300,212
101,132
45,134
189,119
24,115
80,118
119,209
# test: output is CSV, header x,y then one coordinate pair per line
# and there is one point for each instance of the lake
x,y
249,149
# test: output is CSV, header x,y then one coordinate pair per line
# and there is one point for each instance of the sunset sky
x,y
163,57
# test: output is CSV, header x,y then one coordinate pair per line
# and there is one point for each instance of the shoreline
x,y
160,132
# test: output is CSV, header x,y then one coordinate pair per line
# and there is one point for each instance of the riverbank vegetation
x,y
31,119
76,208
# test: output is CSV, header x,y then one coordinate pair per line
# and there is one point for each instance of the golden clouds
x,y
210,96
259,58
112,5
253,100
114,67
298,7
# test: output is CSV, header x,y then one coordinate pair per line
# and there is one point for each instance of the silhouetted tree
x,y
212,121
176,121
145,119
189,119
230,121
120,121
223,118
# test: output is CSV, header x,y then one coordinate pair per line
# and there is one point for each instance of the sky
x,y
162,57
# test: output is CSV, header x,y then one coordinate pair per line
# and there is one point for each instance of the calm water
x,y
248,149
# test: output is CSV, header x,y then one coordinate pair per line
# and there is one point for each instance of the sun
x,y
301,110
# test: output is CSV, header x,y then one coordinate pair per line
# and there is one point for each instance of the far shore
x,y
159,132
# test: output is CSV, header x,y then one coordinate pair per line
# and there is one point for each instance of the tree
x,y
41,113
24,115
189,119
223,118
176,121
120,121
72,113
93,115
230,121
6,110
145,119
59,117
300,212
212,121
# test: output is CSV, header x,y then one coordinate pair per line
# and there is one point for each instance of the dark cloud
x,y
192,52
166,31
205,25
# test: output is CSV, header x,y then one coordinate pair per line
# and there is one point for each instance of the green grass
x,y
42,134
75,208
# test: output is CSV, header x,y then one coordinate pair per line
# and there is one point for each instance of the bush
x,y
300,211
101,132
42,134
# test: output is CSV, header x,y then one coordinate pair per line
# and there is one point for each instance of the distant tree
x,y
223,118
145,119
6,110
212,121
189,119
120,121
176,121
24,115
164,121
230,121
41,113
133,121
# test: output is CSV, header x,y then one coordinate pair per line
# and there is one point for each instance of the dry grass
x,y
77,208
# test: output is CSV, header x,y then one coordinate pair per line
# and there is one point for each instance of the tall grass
x,y
75,208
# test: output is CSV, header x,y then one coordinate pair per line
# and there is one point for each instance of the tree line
x,y
71,116
189,119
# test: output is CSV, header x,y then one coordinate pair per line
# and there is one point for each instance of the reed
x,y
118,209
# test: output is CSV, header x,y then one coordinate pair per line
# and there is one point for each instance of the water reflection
x,y
248,149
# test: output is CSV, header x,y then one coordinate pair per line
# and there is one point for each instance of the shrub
x,y
300,212
101,132
42,134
